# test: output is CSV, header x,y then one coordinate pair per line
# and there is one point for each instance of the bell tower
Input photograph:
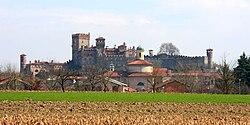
x,y
140,53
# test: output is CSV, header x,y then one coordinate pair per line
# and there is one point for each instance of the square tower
x,y
79,41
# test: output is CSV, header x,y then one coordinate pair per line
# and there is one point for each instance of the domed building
x,y
139,65
140,72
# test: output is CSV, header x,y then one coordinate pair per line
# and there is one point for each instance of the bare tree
x,y
61,76
226,82
12,76
95,74
169,48
155,78
190,80
92,74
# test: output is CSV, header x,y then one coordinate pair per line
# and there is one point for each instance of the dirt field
x,y
87,113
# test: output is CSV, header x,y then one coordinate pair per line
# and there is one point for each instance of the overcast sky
x,y
42,28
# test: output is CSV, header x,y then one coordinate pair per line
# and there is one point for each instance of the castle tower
x,y
100,43
151,53
22,62
79,41
140,53
210,58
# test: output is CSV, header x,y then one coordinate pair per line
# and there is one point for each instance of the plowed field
x,y
116,113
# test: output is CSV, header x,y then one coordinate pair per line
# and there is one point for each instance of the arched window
x,y
139,54
140,84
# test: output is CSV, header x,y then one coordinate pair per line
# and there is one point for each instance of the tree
x,y
169,48
242,71
61,76
226,83
190,80
156,78
12,76
95,74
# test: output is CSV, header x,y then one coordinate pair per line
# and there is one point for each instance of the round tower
x,y
22,62
140,53
210,58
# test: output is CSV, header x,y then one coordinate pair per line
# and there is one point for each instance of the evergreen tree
x,y
242,71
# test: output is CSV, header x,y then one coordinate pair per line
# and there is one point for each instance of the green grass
x,y
124,97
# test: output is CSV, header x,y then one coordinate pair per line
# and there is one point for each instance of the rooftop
x,y
140,62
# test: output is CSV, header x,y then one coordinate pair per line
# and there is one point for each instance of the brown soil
x,y
35,112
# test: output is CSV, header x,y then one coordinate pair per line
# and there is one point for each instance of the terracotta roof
x,y
140,62
139,75
167,82
111,74
159,72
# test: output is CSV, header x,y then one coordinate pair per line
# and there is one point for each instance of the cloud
x,y
79,16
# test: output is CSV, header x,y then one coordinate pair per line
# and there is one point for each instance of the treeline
x,y
236,80
93,79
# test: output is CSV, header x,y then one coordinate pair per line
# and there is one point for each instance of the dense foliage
x,y
169,48
242,71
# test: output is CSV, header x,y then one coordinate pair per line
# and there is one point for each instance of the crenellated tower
x,y
79,41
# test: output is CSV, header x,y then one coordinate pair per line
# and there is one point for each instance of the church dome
x,y
139,48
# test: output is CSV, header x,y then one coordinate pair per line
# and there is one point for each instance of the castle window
x,y
36,70
139,54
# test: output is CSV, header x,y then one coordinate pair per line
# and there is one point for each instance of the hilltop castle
x,y
83,54
118,57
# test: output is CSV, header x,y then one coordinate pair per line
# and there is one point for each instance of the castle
x,y
127,65
118,56
83,54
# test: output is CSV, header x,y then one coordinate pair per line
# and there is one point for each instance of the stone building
x,y
83,54
36,67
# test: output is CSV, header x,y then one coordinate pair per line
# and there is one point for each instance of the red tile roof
x,y
140,62
139,75
159,72
111,74
167,82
